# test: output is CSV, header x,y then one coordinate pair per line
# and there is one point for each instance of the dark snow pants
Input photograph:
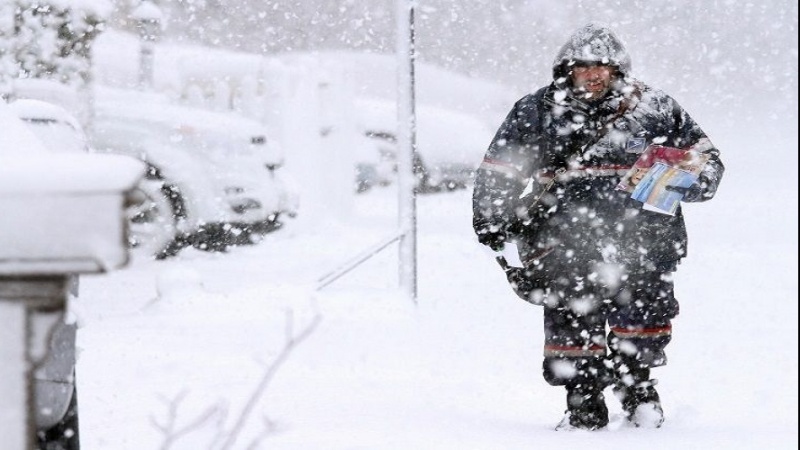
x,y
637,305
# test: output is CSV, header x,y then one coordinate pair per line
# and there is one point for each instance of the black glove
x,y
524,282
692,193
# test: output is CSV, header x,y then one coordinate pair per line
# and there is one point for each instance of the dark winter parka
x,y
585,148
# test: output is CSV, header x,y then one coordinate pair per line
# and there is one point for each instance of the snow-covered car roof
x,y
443,135
22,154
30,109
17,139
211,128
158,109
55,127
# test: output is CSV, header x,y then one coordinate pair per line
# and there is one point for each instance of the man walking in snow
x,y
592,255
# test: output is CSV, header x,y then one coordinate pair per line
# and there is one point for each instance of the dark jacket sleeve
x,y
689,134
507,168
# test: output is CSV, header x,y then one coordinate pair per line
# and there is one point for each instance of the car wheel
x,y
152,218
65,434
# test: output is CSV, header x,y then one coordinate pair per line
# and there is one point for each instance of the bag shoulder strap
x,y
625,105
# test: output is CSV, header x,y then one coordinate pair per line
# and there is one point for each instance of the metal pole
x,y
406,146
148,21
146,63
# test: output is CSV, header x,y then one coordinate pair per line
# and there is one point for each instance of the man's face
x,y
592,82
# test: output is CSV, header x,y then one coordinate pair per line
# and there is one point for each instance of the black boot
x,y
586,408
639,398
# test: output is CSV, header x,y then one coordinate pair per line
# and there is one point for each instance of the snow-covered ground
x,y
458,369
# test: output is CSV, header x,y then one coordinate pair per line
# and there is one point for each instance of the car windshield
x,y
56,135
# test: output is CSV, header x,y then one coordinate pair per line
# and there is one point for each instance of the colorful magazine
x,y
657,168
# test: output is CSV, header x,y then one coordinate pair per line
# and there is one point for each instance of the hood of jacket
x,y
593,44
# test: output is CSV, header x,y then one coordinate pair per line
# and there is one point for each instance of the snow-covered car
x,y
55,397
450,145
213,178
60,132
376,159
55,127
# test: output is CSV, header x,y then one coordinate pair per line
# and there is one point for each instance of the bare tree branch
x,y
269,427
168,428
223,441
292,341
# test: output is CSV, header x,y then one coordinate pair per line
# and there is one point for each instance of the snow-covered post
x,y
68,219
24,306
406,146
148,22
14,389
